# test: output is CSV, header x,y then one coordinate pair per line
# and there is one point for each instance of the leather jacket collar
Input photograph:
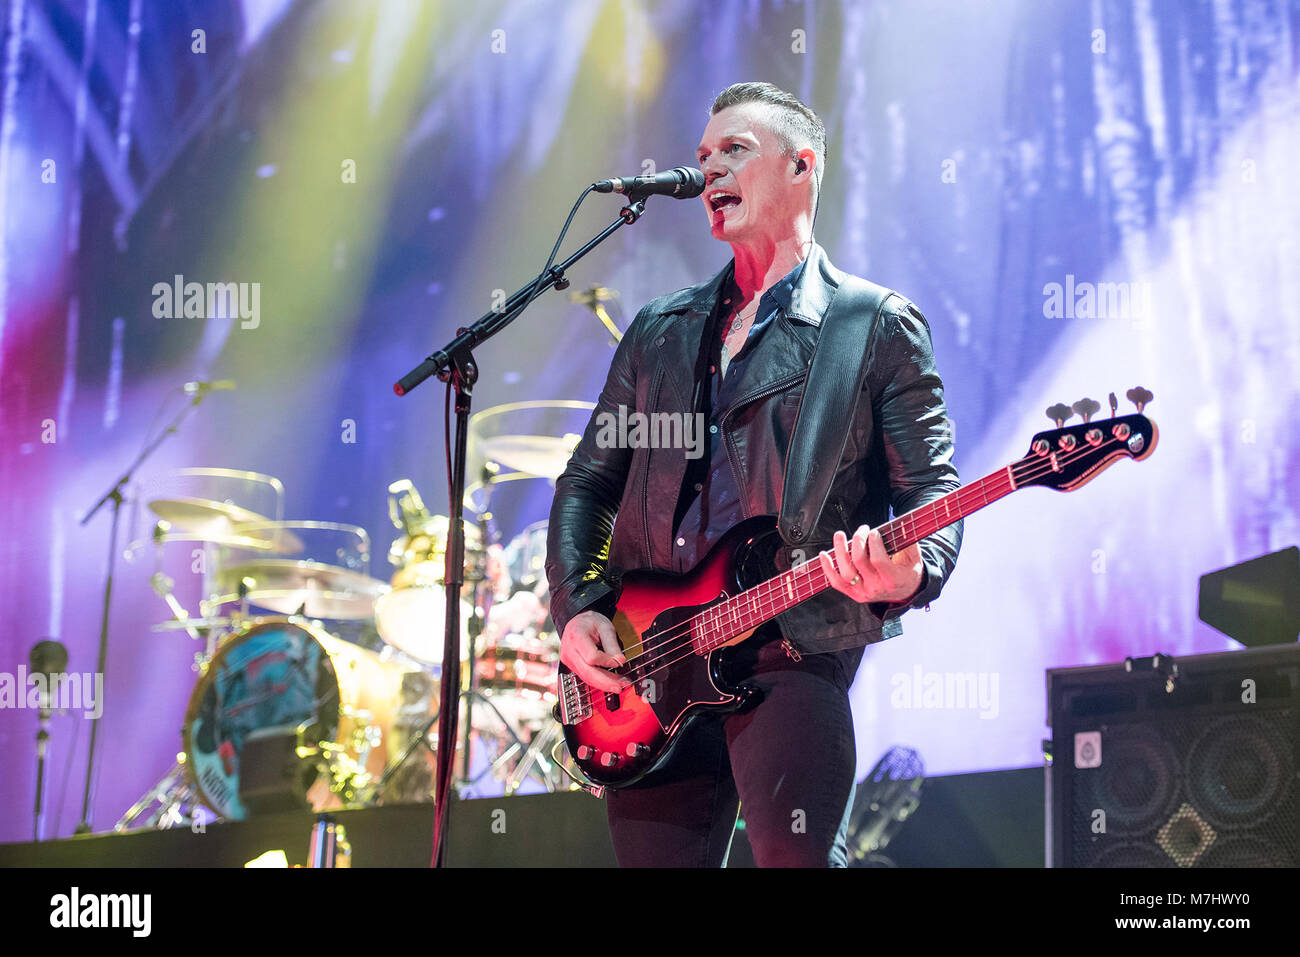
x,y
808,300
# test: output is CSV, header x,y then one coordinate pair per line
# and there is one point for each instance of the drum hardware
x,y
407,614
348,776
171,802
534,752
512,667
412,780
163,586
405,780
116,497
595,299
542,455
424,535
216,621
283,769
300,587
528,436
465,785
211,520
327,576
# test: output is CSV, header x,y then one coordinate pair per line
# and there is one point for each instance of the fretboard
x,y
747,610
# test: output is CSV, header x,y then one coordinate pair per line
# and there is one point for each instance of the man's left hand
x,y
866,572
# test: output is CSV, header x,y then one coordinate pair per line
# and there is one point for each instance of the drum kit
x,y
317,684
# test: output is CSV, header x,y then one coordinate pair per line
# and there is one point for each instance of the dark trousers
x,y
788,763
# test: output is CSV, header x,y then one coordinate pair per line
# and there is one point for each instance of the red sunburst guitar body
x,y
618,738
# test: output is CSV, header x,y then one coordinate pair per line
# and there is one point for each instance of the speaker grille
x,y
1231,803
1189,778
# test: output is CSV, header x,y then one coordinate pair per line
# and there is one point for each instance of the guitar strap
x,y
843,352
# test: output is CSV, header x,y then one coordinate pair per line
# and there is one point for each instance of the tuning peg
x,y
1114,404
1139,397
1059,413
1087,408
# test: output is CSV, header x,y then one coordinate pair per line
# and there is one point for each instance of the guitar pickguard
x,y
672,690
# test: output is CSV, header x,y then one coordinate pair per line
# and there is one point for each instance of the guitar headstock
x,y
1069,456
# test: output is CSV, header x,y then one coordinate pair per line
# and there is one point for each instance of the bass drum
x,y
275,676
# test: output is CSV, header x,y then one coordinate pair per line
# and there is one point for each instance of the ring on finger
x,y
857,579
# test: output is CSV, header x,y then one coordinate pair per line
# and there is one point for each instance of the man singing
x,y
737,349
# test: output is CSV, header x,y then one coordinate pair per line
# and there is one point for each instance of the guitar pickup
x,y
612,701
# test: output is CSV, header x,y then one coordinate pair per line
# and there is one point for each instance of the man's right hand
x,y
586,634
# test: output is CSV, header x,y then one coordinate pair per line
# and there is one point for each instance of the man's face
x,y
741,157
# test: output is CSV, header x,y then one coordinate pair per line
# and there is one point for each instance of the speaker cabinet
x,y
1187,762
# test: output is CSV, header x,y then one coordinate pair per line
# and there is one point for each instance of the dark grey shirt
x,y
711,488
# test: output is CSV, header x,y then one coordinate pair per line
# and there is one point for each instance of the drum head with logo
x,y
274,675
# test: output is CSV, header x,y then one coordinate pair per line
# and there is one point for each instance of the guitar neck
x,y
762,603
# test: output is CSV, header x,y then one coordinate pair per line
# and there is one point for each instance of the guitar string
x,y
811,581
1029,469
764,607
798,579
644,668
769,600
764,604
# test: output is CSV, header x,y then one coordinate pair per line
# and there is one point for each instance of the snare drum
x,y
278,675
518,673
518,664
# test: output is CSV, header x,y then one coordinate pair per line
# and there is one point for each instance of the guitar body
x,y
616,739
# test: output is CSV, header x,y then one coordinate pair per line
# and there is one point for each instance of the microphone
x,y
48,658
684,182
220,385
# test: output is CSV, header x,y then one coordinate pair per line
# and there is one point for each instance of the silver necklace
x,y
743,317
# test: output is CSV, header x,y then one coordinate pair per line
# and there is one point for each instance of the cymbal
x,y
285,586
221,621
230,540
210,519
543,455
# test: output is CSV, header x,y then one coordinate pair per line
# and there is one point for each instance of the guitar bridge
x,y
575,705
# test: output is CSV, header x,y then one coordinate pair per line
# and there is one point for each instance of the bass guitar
x,y
675,629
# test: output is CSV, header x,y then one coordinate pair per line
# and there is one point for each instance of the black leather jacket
x,y
613,507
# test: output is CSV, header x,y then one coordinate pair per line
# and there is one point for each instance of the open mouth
x,y
722,200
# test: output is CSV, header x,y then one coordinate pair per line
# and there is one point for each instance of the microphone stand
x,y
454,363
114,495
48,658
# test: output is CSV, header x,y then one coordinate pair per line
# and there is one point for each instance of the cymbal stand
x,y
170,802
116,497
